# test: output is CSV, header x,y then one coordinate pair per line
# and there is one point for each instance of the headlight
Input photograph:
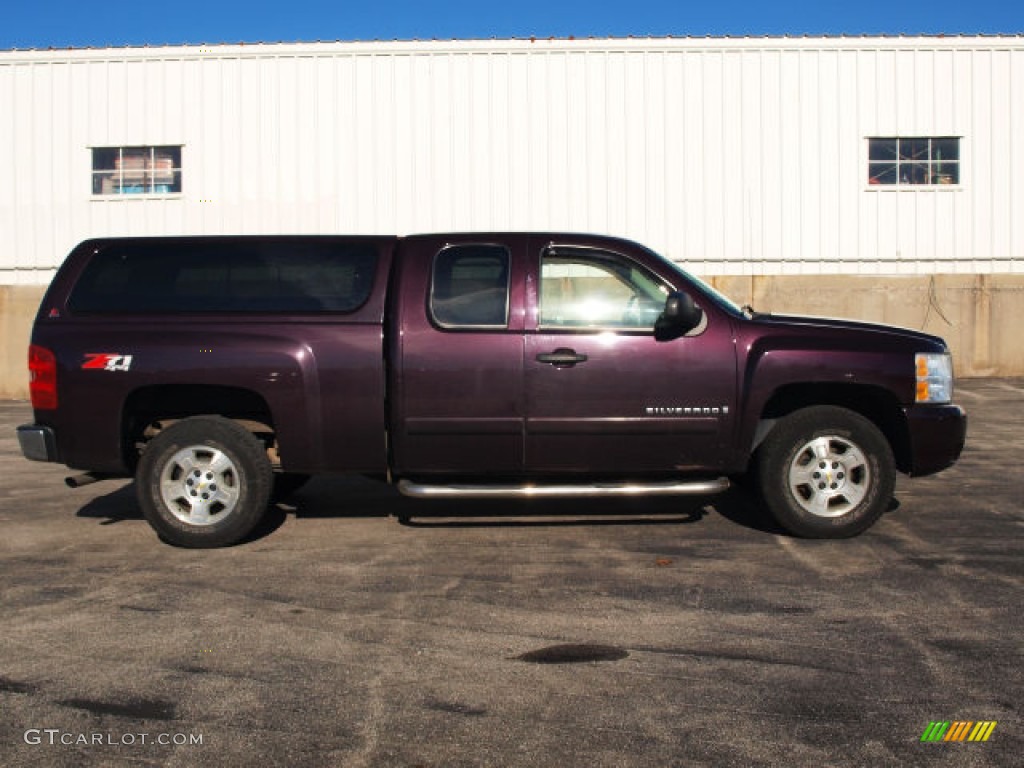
x,y
934,378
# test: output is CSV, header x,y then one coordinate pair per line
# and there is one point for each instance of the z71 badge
x,y
106,361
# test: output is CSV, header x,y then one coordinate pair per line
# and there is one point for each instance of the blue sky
x,y
77,23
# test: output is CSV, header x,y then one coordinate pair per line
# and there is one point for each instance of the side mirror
x,y
680,317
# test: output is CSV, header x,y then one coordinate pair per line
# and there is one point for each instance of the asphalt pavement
x,y
360,628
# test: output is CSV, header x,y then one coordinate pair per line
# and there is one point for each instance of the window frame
x,y
149,172
930,164
581,253
456,327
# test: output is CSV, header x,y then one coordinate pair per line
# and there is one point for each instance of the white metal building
x,y
775,156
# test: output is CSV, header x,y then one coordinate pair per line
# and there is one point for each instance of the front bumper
x,y
937,435
37,443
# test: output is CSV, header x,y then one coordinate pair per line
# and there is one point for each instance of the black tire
x,y
826,472
285,484
204,482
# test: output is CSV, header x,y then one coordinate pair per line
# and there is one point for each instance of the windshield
x,y
709,291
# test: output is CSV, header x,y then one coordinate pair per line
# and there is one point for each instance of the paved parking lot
x,y
364,629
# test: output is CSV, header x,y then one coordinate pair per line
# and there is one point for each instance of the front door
x,y
603,396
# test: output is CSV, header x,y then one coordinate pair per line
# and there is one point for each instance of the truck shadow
x,y
354,497
114,507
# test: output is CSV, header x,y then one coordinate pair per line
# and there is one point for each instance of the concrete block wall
x,y
976,314
18,306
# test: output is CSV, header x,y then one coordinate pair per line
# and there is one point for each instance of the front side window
x,y
469,287
914,161
587,289
136,170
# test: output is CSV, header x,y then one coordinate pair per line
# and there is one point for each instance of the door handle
x,y
562,358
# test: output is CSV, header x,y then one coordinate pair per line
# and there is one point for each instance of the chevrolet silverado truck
x,y
222,372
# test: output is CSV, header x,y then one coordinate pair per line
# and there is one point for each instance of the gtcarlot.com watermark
x,y
56,737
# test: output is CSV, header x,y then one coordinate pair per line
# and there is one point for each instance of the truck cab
x,y
537,357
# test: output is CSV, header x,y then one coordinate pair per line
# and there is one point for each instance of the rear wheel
x,y
204,482
826,473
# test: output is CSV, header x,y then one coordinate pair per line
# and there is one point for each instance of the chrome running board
x,y
534,491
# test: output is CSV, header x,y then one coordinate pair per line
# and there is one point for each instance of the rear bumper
x,y
937,435
37,443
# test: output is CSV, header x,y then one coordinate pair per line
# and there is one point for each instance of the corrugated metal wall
x,y
734,156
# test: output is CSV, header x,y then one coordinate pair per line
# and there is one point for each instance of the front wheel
x,y
826,473
204,482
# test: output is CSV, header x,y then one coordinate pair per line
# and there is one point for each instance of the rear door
x,y
457,385
603,397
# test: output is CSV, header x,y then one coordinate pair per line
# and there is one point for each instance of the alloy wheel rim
x,y
200,485
829,476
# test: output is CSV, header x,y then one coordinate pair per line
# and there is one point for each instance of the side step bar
x,y
533,491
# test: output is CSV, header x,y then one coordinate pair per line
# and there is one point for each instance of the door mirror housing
x,y
681,315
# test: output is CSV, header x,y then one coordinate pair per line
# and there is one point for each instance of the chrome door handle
x,y
562,358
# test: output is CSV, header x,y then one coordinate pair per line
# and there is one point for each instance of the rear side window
x,y
261,276
469,287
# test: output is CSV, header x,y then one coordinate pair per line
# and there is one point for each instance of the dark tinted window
x,y
261,276
470,287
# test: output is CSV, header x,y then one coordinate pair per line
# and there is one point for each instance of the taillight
x,y
42,378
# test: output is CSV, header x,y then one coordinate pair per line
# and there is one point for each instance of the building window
x,y
914,161
136,170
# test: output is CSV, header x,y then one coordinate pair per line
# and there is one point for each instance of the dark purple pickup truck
x,y
223,371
